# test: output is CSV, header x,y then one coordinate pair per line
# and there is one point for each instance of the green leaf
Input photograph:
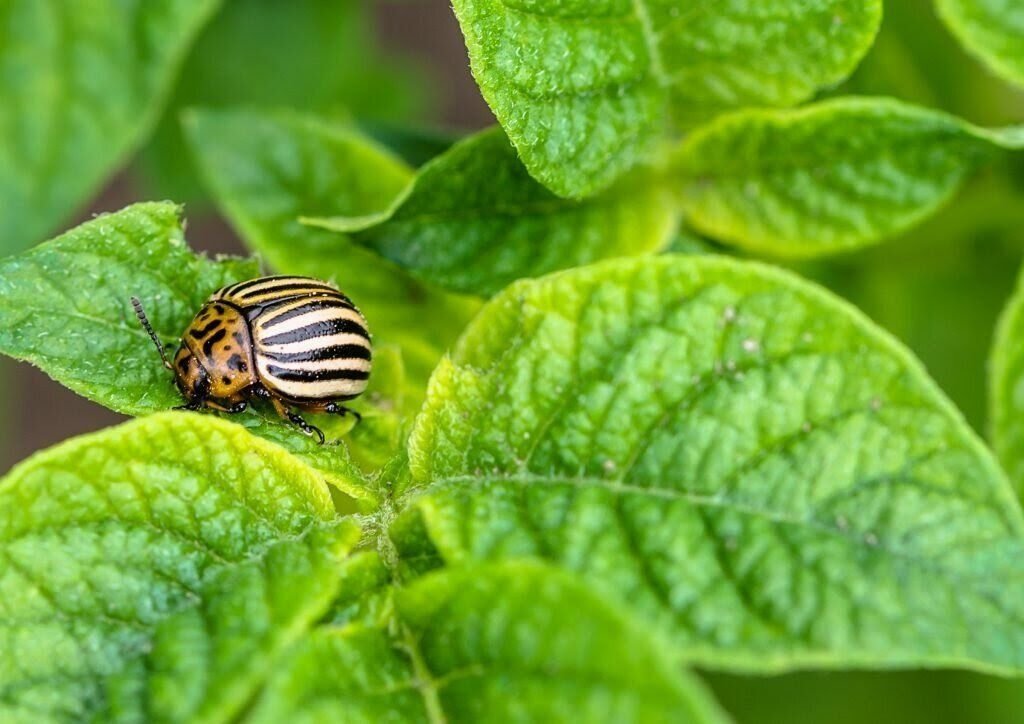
x,y
269,168
366,596
324,56
65,306
1006,389
585,89
742,458
83,84
512,642
207,661
941,288
387,406
829,177
106,536
915,58
473,220
881,697
992,30
412,142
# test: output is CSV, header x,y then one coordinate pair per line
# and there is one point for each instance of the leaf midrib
x,y
698,500
657,65
423,682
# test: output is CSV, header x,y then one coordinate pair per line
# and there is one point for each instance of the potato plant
x,y
620,431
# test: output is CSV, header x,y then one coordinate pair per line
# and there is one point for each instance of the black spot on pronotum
x,y
214,339
236,363
226,380
200,333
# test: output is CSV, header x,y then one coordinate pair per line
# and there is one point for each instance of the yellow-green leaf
x,y
829,177
743,459
510,642
107,537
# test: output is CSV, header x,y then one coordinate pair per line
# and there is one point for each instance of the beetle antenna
x,y
141,314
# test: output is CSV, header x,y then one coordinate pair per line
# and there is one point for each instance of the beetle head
x,y
190,376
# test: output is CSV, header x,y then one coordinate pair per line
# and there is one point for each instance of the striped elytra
x,y
295,341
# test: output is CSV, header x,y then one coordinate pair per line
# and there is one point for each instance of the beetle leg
x,y
296,419
234,408
279,407
190,406
333,408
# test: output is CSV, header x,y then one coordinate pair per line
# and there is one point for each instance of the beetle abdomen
x,y
310,343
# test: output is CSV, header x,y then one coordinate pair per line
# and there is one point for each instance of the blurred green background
x,y
939,288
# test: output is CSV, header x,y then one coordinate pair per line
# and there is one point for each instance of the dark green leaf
x,y
83,83
473,220
993,30
311,54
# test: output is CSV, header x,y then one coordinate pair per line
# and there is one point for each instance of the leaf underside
x,y
473,220
830,177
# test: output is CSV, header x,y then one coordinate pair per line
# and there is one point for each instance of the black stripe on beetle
x,y
314,306
334,353
290,289
323,328
317,375
242,286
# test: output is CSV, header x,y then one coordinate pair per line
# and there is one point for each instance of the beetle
x,y
295,341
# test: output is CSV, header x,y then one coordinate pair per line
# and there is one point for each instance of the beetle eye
x,y
182,360
190,376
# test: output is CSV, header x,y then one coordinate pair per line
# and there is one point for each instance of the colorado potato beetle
x,y
295,341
